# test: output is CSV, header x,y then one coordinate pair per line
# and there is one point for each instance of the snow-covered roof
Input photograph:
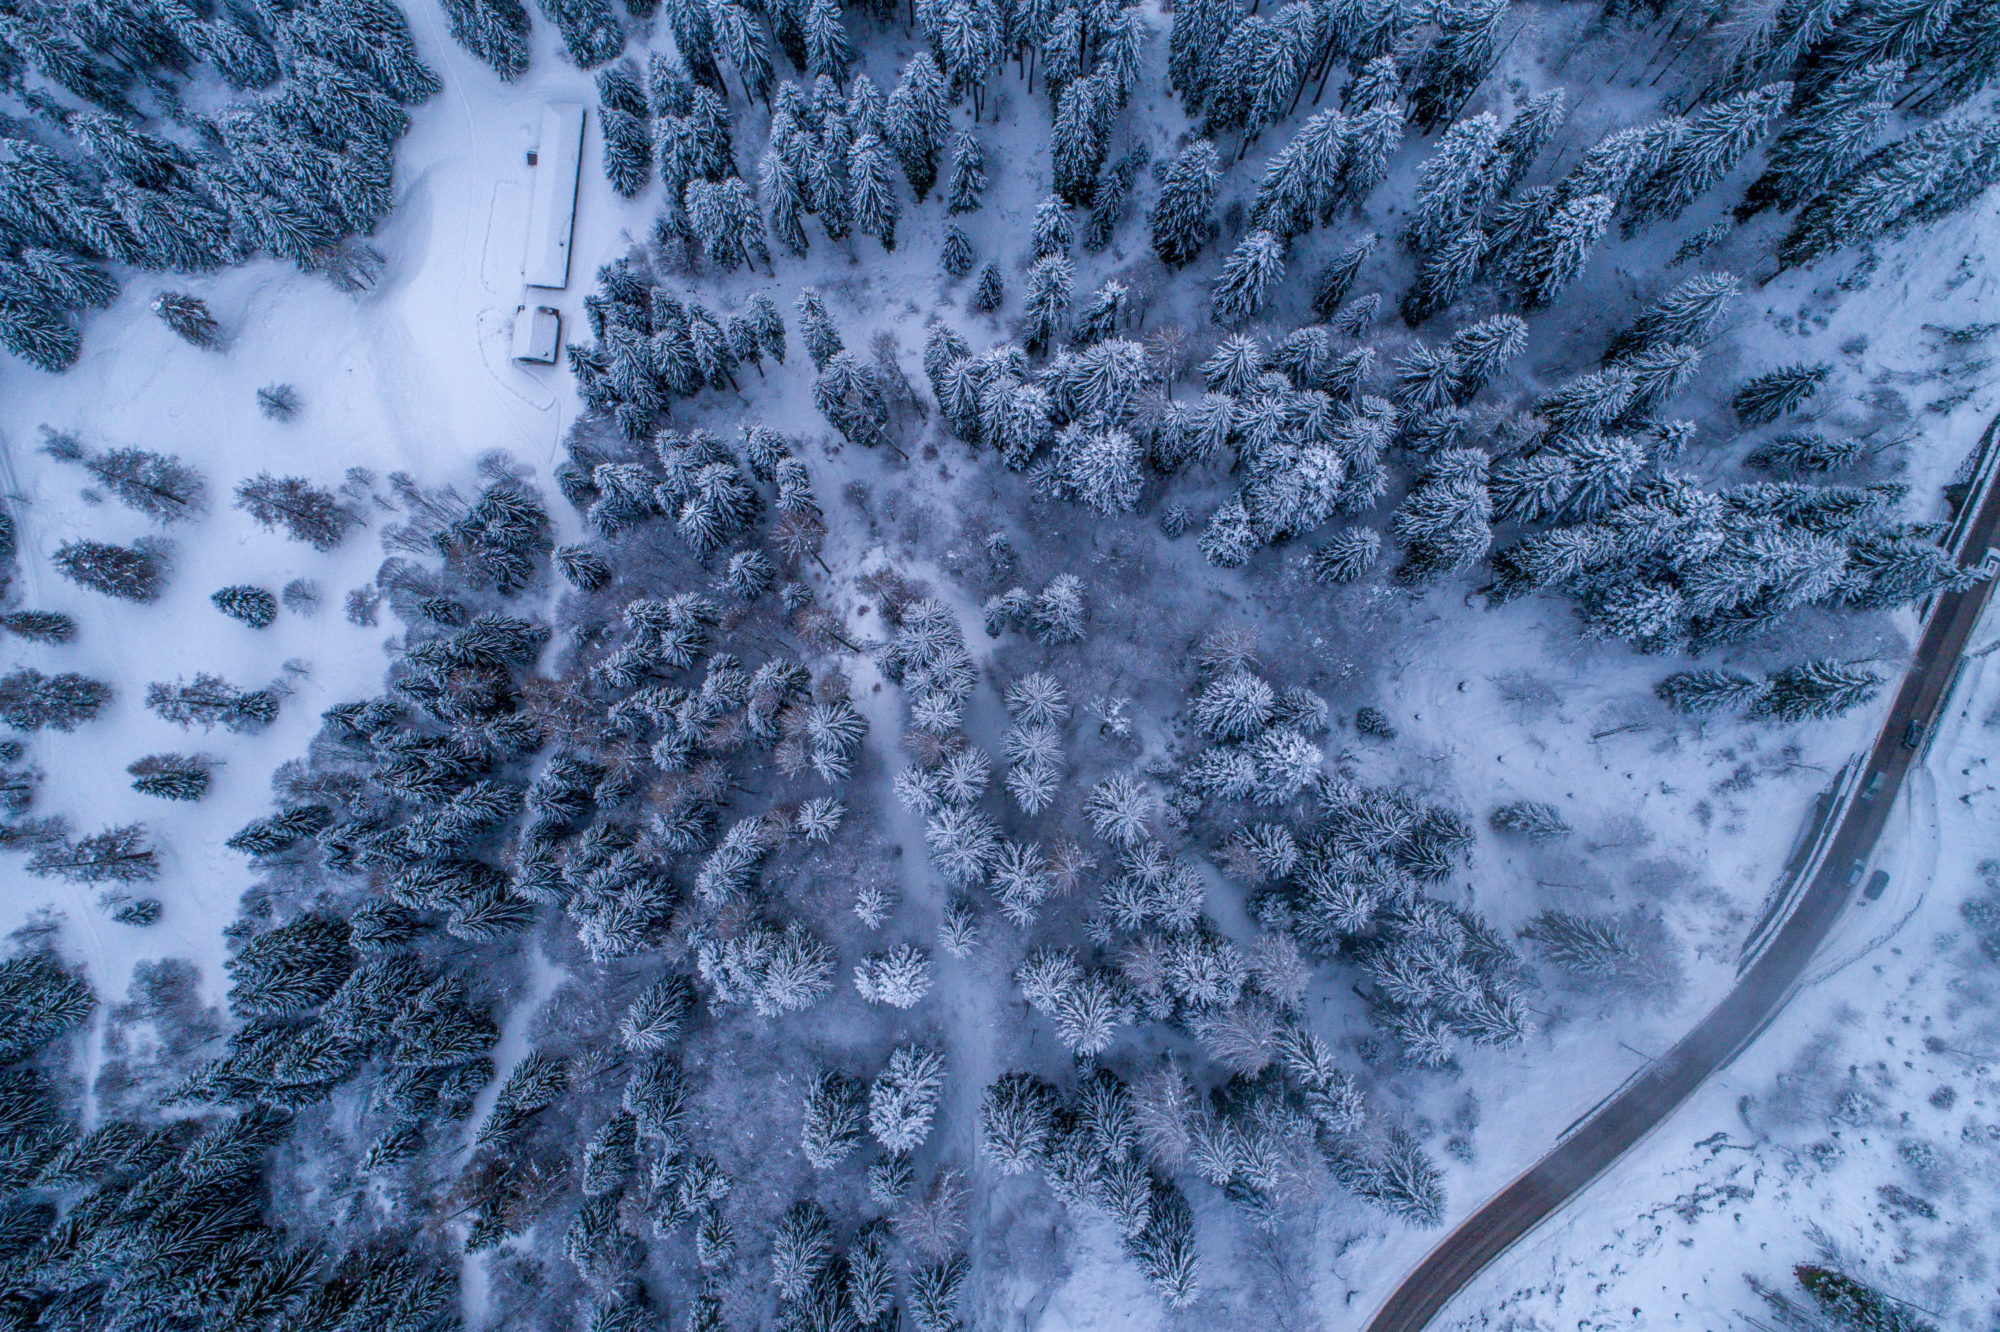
x,y
553,211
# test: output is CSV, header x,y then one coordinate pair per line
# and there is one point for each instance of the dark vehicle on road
x,y
1877,881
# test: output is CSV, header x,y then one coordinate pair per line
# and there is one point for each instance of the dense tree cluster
x,y
164,1219
118,170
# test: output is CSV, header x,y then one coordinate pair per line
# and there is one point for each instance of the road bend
x,y
1765,985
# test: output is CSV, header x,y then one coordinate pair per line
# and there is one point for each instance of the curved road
x,y
1761,990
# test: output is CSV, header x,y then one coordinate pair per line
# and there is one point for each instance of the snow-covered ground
x,y
1861,1125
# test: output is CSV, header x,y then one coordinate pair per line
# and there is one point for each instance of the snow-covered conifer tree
x,y
900,977
875,207
1688,313
1049,285
1347,556
1529,131
1183,215
1244,286
1816,689
1826,139
967,186
1551,260
816,330
1082,138
903,1098
1709,690
254,606
1777,393
1714,142
990,292
1457,183
1333,282
915,121
1456,60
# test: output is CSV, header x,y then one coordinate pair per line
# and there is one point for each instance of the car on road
x,y
1913,734
1856,870
1874,787
1877,882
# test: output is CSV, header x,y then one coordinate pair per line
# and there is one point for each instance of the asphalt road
x,y
1762,990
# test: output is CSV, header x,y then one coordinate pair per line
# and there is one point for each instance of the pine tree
x,y
1807,452
1378,132
956,257
1301,183
1082,138
1901,30
816,330
740,40
304,511
917,117
934,1293
628,151
1918,178
1444,523
589,29
1049,286
1814,690
131,573
1596,947
30,700
39,626
116,855
875,207
211,701
1699,693
834,1115
1851,1304
899,978
254,606
1244,286
39,335
1184,214
1611,164
1687,314
986,298
1456,61
1553,259
1444,276
1165,1250
1457,182
1201,31
1346,557
1778,393
903,1098
171,776
1825,140
828,51
1527,133
1715,140
160,486
189,318
1532,819
1483,348
1336,280
1054,233
1114,197
968,175
1104,315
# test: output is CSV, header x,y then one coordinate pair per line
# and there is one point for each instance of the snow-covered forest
x,y
1131,647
